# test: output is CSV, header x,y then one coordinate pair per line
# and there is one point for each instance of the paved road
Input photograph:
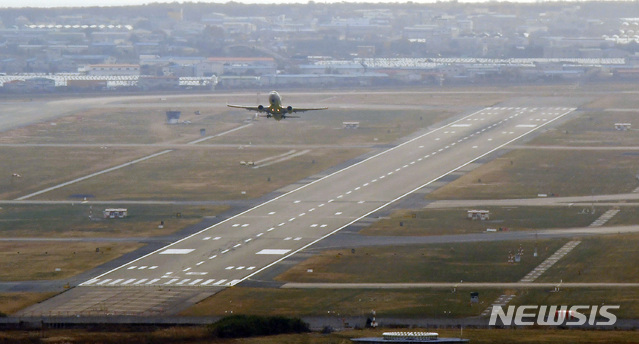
x,y
578,201
458,285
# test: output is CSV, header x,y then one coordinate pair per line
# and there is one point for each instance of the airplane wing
x,y
306,109
250,108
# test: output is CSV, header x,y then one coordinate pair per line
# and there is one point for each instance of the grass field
x,y
454,221
468,262
41,167
118,125
527,173
13,302
214,174
594,128
23,261
63,221
341,302
599,259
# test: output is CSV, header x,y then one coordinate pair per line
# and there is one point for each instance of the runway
x,y
242,246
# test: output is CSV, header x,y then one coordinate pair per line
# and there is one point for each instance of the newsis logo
x,y
554,315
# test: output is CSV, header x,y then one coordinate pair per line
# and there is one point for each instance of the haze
x,y
88,3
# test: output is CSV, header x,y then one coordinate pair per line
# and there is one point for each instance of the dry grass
x,y
117,125
13,302
42,167
64,221
595,128
339,302
526,173
470,262
599,259
214,174
23,261
454,221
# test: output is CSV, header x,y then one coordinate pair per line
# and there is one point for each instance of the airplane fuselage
x,y
275,108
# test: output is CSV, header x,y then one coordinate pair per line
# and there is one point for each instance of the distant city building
x,y
112,69
30,85
158,82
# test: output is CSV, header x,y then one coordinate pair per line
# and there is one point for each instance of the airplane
x,y
275,109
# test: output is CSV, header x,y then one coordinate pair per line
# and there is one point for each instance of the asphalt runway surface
x,y
242,246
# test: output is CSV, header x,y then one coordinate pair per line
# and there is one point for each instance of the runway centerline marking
x,y
274,251
177,251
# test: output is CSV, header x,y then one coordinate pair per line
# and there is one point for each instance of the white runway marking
x,y
183,281
207,282
128,281
273,251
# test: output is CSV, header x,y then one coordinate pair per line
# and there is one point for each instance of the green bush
x,y
238,326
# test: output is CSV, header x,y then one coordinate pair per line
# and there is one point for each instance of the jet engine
x,y
289,109
260,107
